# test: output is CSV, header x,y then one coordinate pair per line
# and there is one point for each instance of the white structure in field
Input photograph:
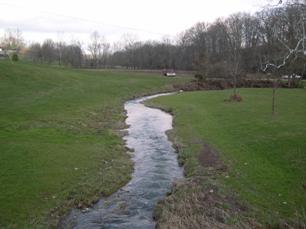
x,y
170,73
293,76
3,54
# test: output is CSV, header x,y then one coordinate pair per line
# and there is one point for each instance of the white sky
x,y
154,19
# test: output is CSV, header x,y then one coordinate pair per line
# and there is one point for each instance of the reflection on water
x,y
156,168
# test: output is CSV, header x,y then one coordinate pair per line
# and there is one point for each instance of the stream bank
x,y
155,170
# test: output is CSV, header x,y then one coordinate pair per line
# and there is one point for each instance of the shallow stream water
x,y
155,169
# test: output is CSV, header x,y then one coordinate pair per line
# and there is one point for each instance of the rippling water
x,y
156,167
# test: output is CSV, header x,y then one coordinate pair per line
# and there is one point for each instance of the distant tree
x,y
48,51
130,42
59,46
60,52
288,33
95,48
12,40
73,55
235,35
34,52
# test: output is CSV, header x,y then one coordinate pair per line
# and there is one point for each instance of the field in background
x,y
264,154
58,137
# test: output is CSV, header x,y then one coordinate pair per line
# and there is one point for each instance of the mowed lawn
x,y
265,154
59,142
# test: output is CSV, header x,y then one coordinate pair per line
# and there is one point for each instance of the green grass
x,y
58,138
266,154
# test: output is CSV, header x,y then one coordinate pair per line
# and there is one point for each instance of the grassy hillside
x,y
265,156
58,138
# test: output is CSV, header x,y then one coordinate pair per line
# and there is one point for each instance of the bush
x,y
15,57
234,98
199,77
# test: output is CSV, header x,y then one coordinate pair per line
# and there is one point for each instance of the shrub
x,y
199,77
15,57
234,98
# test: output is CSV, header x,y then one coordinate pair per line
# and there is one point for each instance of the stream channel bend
x,y
155,169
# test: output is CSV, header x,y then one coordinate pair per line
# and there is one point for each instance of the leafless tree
x,y
294,46
60,49
99,49
70,54
48,51
95,47
73,54
34,53
235,40
131,43
12,40
289,32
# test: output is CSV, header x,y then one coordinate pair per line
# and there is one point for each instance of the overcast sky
x,y
148,19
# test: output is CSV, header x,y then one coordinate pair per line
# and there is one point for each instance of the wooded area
x,y
272,40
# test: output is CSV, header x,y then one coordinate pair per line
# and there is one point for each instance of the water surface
x,y
155,169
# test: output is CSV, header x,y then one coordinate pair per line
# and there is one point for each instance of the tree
x,y
130,42
98,49
73,54
34,52
12,40
48,51
234,25
59,46
289,32
95,48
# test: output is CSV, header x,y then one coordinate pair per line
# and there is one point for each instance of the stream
x,y
155,169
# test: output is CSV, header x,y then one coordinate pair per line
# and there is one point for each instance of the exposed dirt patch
x,y
208,157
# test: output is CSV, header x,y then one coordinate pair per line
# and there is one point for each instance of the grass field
x,y
265,154
58,138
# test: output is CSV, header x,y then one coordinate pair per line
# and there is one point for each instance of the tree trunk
x,y
273,96
235,86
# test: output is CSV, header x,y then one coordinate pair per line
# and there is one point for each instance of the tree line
x,y
271,40
56,52
267,41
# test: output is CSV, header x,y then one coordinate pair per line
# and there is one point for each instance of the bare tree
x,y
60,49
130,42
294,47
235,40
98,49
12,40
48,51
289,32
95,47
73,54
34,53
